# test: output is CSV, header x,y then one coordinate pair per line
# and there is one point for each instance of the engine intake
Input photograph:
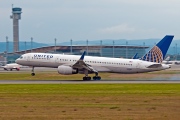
x,y
66,70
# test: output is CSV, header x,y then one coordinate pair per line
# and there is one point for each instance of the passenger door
x,y
28,57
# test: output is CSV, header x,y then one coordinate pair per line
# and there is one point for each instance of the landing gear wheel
x,y
96,78
87,78
33,74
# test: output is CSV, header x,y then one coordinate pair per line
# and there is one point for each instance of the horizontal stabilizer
x,y
155,66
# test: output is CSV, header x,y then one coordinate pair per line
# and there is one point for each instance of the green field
x,y
90,101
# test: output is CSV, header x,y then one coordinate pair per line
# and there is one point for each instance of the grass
x,y
90,101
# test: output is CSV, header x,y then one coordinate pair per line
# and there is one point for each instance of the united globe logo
x,y
154,55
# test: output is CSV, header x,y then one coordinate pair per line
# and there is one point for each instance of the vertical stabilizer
x,y
135,56
158,52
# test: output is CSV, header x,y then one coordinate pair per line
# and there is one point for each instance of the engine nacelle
x,y
66,70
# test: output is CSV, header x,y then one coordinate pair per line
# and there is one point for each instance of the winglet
x,y
158,52
82,56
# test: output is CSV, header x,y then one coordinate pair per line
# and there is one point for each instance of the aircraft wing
x,y
80,64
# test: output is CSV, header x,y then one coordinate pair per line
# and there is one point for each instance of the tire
x,y
86,78
96,78
33,74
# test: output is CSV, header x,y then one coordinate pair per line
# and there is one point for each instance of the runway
x,y
173,78
87,82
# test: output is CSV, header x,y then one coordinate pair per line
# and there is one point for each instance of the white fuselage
x,y
100,64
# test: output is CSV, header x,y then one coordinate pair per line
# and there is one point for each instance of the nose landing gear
x,y
33,74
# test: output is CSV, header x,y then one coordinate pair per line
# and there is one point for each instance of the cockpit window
x,y
21,57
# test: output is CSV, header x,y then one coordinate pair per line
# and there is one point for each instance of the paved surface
x,y
173,79
85,82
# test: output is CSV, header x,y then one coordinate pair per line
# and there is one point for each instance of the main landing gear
x,y
86,77
33,74
96,77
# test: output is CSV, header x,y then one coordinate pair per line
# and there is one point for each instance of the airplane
x,y
1,64
12,66
171,62
73,64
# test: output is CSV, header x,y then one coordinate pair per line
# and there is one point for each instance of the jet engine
x,y
66,70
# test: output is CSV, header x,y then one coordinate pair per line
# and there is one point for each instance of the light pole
x,y
55,44
113,48
87,46
176,51
144,46
101,47
31,44
126,49
25,46
71,46
176,48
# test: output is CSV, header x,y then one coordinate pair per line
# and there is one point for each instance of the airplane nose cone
x,y
17,61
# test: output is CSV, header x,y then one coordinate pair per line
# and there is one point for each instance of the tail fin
x,y
158,52
135,56
168,58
